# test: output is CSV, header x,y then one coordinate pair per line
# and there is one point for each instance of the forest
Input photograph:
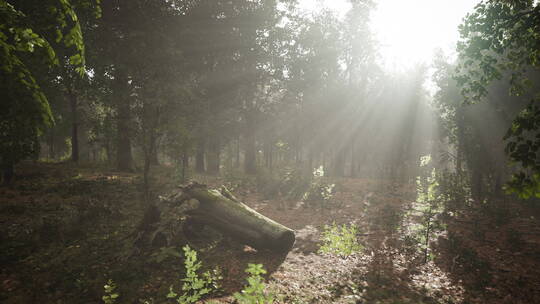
x,y
269,151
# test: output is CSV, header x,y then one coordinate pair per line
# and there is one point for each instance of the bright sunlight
x,y
269,151
408,32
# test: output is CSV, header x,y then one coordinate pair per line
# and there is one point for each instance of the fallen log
x,y
220,210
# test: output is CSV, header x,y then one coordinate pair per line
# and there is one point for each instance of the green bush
x,y
195,286
340,240
254,292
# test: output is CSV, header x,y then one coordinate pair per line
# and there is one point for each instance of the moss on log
x,y
220,210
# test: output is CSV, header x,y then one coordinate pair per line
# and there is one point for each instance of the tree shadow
x,y
232,258
383,280
491,261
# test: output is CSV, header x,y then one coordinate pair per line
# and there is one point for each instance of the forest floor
x,y
65,230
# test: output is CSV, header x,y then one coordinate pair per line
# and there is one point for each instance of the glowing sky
x,y
409,31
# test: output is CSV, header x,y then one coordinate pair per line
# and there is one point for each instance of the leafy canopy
x,y
501,39
27,48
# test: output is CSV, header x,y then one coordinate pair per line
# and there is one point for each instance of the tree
x,y
498,39
25,51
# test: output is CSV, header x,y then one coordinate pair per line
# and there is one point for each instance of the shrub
x,y
195,286
254,292
340,240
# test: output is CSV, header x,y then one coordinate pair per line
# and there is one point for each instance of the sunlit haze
x,y
245,151
409,31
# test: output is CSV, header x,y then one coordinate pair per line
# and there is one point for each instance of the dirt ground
x,y
65,231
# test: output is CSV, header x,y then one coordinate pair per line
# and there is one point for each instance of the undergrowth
x,y
195,286
340,240
254,292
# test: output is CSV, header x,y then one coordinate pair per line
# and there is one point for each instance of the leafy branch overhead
x,y
30,37
500,41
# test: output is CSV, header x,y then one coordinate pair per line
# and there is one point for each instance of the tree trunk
x,y
74,126
213,156
339,163
185,163
124,157
237,153
155,160
461,142
229,159
353,158
250,166
108,152
476,185
52,152
199,157
268,154
148,155
220,210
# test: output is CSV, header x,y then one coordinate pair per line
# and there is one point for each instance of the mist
x,y
269,151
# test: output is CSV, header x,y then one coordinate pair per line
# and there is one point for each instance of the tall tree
x,y
25,31
501,38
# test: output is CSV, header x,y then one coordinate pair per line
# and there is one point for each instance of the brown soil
x,y
63,232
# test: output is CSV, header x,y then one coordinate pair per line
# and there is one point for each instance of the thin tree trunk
x,y
268,154
185,163
74,126
339,163
124,157
155,160
476,185
353,158
229,160
108,152
461,142
237,160
271,157
199,157
428,232
146,174
250,153
213,156
52,152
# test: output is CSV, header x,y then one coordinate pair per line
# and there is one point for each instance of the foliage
x,y
455,192
254,292
31,36
340,240
235,179
429,205
195,286
293,183
319,191
110,293
500,39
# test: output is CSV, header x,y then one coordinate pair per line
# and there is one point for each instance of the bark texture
x,y
220,210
